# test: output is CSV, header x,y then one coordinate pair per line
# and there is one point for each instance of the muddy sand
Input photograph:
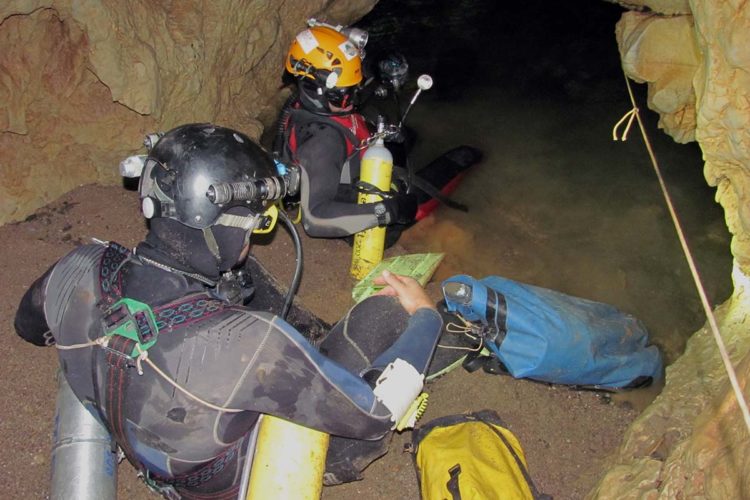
x,y
566,434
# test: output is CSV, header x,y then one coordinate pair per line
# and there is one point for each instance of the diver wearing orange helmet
x,y
320,130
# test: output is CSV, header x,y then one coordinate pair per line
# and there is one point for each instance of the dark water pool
x,y
556,202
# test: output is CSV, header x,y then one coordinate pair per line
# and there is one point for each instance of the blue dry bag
x,y
546,335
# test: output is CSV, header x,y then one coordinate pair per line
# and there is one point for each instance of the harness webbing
x,y
169,317
299,117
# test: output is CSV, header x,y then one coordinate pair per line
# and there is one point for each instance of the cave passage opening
x,y
556,203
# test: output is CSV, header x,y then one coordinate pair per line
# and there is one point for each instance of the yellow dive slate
x,y
420,266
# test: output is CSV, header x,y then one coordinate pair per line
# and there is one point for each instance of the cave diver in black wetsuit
x,y
320,130
132,325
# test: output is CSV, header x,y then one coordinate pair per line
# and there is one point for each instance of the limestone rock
x,y
698,70
81,81
723,130
662,51
60,126
669,7
692,442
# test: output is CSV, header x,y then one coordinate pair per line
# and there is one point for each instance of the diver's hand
x,y
394,134
409,292
401,208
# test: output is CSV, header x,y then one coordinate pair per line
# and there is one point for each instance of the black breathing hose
x,y
298,267
281,125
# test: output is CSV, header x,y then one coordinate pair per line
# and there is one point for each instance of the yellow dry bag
x,y
471,457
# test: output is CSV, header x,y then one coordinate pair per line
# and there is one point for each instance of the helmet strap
x,y
240,221
213,247
248,224
317,104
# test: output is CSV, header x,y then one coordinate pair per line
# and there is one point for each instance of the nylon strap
x,y
431,190
519,462
240,221
366,188
210,240
452,484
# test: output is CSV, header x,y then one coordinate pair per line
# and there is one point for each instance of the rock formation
x,y
692,442
84,80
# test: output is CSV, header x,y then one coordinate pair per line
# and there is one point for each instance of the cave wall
x,y
697,66
82,81
692,442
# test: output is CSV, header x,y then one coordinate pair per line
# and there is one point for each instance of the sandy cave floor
x,y
554,203
566,434
557,204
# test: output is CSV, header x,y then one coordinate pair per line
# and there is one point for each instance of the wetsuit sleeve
x,y
417,344
321,155
31,323
290,379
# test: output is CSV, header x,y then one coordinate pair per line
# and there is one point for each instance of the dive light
x,y
460,293
132,166
264,188
356,36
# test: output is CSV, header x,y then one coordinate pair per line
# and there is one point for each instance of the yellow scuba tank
x,y
289,461
376,169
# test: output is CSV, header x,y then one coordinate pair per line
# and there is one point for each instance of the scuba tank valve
x,y
376,171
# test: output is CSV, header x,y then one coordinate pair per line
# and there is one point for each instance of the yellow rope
x,y
100,341
143,356
688,255
629,117
465,329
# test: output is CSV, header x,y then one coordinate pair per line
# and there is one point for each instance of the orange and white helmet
x,y
329,55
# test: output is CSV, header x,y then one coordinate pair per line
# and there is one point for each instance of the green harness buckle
x,y
134,320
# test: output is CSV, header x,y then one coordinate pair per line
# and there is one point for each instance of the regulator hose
x,y
281,125
298,267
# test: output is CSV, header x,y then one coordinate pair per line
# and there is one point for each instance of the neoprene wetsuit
x,y
229,355
326,149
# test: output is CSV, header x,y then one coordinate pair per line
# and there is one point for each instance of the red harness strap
x,y
353,123
358,127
